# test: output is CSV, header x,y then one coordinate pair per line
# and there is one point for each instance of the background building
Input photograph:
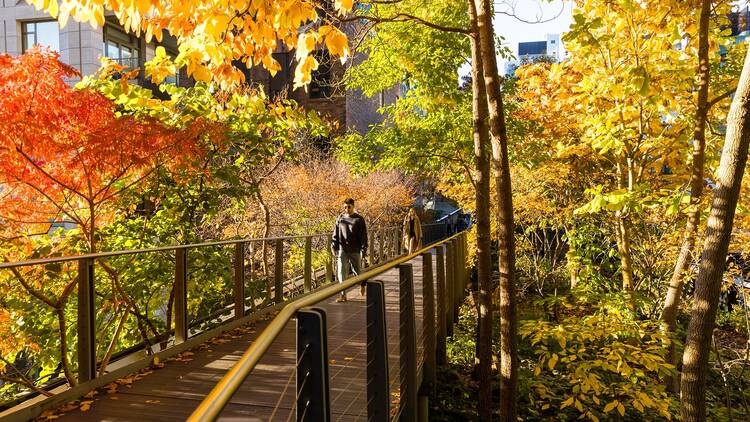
x,y
81,46
550,49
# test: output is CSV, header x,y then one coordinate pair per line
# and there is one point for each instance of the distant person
x,y
349,244
412,232
452,220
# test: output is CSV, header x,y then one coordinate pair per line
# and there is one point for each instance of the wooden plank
x,y
173,392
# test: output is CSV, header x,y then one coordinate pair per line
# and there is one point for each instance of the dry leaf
x,y
85,405
153,401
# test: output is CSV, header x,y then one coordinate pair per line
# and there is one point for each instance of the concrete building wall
x,y
80,45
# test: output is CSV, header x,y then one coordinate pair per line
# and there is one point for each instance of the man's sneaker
x,y
341,298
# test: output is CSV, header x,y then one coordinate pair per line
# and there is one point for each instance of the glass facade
x,y
121,47
43,33
532,48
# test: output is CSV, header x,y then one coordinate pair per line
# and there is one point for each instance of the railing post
x,y
408,346
308,264
397,247
251,278
428,298
86,321
440,348
239,280
391,244
313,402
458,282
383,245
329,266
386,244
278,272
450,288
180,296
378,394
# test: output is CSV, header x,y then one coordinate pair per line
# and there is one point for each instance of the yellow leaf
x,y
638,406
52,9
201,73
620,409
99,16
306,45
552,361
143,6
303,73
336,42
567,402
611,405
344,6
216,25
85,405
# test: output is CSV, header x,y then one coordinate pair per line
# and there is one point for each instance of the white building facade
x,y
550,48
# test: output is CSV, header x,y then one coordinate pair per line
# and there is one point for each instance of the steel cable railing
x,y
310,319
178,305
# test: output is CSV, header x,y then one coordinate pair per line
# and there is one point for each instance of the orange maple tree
x,y
66,154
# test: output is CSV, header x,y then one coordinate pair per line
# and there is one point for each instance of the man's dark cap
x,y
349,201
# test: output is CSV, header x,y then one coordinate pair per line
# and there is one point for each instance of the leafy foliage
x,y
213,34
597,364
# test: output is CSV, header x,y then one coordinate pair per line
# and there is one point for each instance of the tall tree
x,y
713,258
482,199
674,292
506,236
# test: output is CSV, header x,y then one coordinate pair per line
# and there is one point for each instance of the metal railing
x,y
442,292
249,293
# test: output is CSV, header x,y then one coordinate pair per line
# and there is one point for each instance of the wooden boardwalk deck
x,y
172,393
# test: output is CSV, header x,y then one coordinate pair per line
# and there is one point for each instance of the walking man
x,y
349,243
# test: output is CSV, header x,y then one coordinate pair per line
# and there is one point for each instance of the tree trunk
x,y
674,292
484,258
623,246
506,241
266,231
713,258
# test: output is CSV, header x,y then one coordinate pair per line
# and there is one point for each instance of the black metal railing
x,y
252,275
441,292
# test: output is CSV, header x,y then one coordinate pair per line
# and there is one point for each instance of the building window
x,y
320,84
121,47
281,80
43,33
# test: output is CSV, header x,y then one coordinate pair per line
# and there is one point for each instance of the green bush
x,y
597,365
